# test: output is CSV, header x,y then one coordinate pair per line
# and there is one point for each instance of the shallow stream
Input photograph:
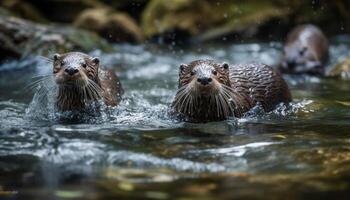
x,y
138,152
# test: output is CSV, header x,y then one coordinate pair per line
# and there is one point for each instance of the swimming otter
x,y
209,91
305,51
81,81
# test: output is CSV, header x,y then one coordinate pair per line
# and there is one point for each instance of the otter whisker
x,y
185,103
90,92
235,97
46,59
229,106
34,84
84,94
227,95
180,97
94,93
80,86
191,104
222,106
217,105
96,88
41,76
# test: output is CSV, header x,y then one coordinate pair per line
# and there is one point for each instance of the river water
x,y
137,151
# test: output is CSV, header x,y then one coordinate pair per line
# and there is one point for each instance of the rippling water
x,y
137,151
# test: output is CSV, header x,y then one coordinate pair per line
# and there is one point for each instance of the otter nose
x,y
71,71
204,80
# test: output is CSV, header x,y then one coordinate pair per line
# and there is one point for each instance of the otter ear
x,y
183,67
95,61
225,66
56,57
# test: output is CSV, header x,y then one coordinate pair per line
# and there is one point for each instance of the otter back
x,y
259,83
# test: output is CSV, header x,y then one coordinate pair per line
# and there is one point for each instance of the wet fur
x,y
233,92
92,84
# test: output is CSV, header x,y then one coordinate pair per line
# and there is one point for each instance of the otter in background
x,y
210,91
81,81
305,51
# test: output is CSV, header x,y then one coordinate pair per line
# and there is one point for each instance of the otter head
x,y
76,75
204,78
75,69
300,59
204,91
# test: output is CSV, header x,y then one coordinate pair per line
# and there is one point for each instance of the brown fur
x,y
305,51
89,84
246,85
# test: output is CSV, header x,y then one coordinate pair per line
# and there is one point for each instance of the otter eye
x,y
84,65
192,73
225,66
215,72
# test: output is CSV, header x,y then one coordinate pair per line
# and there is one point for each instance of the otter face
x,y
74,69
300,60
203,77
205,92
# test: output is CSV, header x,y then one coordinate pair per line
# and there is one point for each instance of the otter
x,y
81,81
305,51
211,91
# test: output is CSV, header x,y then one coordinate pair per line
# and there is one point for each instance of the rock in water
x,y
340,70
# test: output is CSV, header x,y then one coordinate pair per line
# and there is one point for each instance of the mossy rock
x,y
113,26
209,19
21,38
23,9
340,70
5,12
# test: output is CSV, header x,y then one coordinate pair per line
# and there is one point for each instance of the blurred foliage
x,y
202,19
185,20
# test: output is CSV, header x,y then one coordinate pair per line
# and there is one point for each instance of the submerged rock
x,y
114,26
20,38
340,70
